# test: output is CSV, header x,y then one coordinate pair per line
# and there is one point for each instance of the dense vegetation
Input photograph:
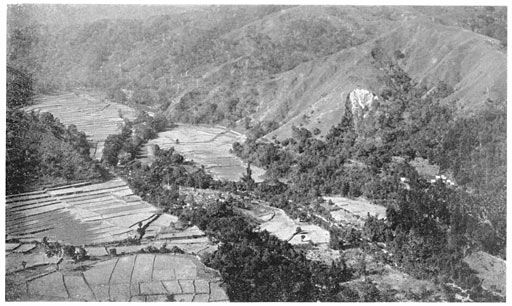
x,y
19,88
431,230
159,182
124,147
259,267
42,151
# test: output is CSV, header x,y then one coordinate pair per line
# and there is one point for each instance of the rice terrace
x,y
205,145
88,112
262,153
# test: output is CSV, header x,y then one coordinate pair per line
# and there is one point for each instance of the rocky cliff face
x,y
364,106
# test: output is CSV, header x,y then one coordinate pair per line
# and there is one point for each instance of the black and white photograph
x,y
255,152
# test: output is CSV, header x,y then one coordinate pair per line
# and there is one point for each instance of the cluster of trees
x,y
159,182
42,151
124,147
475,149
359,157
257,266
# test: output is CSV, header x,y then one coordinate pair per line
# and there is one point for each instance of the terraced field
x,y
91,114
98,118
134,278
81,214
100,216
205,145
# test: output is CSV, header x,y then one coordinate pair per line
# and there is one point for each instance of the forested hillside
x,y
432,223
42,151
237,64
39,149
372,149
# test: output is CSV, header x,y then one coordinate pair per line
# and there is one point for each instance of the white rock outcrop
x,y
361,101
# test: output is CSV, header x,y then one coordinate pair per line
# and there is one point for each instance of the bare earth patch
x,y
490,269
357,207
284,227
80,214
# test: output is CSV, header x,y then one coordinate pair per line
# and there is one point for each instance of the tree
x,y
247,179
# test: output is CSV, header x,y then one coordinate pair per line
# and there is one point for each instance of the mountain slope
x,y
236,64
271,45
313,93
472,64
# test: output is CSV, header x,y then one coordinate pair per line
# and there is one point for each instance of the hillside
x,y
42,151
59,15
237,65
313,94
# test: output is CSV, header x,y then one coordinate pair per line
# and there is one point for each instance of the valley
x,y
265,153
